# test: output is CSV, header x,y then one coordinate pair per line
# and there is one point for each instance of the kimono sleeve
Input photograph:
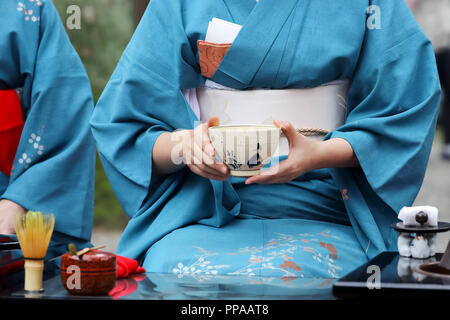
x,y
55,162
144,99
392,108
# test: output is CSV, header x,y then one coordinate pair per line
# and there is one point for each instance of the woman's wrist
x,y
9,210
313,158
11,206
333,153
167,154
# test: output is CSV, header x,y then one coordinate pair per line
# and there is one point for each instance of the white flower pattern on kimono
x,y
199,268
36,148
29,10
35,140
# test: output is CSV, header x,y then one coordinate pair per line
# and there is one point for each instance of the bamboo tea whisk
x,y
34,231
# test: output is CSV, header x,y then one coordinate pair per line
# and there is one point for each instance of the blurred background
x,y
108,25
106,28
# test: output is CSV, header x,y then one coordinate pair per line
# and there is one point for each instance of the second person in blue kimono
x,y
49,164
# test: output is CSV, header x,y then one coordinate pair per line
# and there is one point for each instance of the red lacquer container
x,y
91,274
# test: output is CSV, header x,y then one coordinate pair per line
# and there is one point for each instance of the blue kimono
x,y
324,223
53,169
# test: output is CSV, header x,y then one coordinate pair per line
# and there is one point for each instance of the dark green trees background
x,y
106,26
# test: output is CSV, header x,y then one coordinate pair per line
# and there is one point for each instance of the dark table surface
x,y
159,286
396,276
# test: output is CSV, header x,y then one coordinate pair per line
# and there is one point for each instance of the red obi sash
x,y
11,126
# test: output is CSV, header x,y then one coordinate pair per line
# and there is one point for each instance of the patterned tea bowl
x,y
245,149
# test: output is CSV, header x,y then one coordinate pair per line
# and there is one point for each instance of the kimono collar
x,y
262,27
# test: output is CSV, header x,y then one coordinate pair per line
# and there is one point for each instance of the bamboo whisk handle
x,y
34,272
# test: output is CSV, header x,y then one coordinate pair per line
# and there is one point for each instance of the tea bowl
x,y
245,149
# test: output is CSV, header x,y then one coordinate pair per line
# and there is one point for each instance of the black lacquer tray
x,y
441,227
393,284
8,243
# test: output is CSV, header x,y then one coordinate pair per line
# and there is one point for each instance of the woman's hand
x,y
199,154
8,211
305,155
192,148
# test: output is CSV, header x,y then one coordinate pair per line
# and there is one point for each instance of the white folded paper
x,y
221,31
408,215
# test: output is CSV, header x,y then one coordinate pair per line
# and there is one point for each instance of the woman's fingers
x,y
212,171
265,177
210,158
208,168
205,166
207,145
201,153
288,130
208,149
277,174
213,122
193,147
201,156
216,168
197,170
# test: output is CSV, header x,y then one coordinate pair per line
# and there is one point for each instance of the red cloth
x,y
11,126
127,266
125,287
127,277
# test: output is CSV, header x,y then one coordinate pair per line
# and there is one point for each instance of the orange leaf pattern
x,y
210,56
275,256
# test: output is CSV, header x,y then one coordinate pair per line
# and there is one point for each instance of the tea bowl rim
x,y
256,127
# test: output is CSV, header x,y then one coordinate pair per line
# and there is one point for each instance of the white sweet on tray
x,y
418,245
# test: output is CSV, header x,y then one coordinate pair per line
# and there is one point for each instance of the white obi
x,y
312,110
